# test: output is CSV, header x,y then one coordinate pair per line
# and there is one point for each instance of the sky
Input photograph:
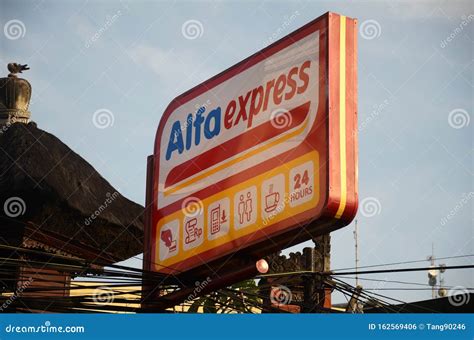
x,y
103,72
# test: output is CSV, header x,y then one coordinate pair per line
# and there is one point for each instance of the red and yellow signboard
x,y
259,157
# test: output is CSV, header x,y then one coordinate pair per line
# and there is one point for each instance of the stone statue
x,y
15,68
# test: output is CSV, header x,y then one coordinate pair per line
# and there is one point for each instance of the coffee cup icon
x,y
271,200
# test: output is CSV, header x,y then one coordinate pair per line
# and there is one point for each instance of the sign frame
x,y
336,126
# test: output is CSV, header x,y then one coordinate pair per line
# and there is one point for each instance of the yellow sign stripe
x,y
342,115
236,160
261,222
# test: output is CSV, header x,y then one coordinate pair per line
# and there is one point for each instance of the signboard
x,y
259,157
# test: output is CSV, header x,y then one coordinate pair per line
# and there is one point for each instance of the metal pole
x,y
356,237
433,292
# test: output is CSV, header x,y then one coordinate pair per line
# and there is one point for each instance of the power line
x,y
395,281
363,294
399,270
377,289
404,262
429,310
330,273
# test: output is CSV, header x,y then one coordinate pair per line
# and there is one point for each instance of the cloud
x,y
430,9
83,27
174,69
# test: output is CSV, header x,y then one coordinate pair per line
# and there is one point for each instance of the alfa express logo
x,y
242,110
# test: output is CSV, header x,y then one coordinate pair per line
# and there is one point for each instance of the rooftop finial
x,y
15,95
15,68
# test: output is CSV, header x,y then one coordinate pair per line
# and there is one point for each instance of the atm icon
x,y
218,217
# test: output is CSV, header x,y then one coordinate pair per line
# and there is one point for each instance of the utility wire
x,y
330,273
400,270
405,262
390,298
395,281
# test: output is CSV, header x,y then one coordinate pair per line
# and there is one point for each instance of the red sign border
x,y
329,26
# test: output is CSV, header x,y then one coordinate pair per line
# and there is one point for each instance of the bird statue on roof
x,y
15,68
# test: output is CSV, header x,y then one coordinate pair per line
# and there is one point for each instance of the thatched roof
x,y
64,194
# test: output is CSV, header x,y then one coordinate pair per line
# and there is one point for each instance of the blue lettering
x,y
176,134
216,114
189,131
197,125
211,128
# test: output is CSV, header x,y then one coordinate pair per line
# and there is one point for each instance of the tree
x,y
234,299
